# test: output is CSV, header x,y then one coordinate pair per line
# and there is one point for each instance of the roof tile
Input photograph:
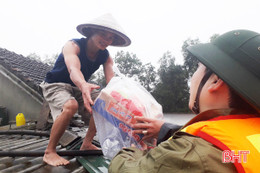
x,y
32,72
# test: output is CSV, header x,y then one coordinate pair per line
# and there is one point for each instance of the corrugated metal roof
x,y
22,148
18,142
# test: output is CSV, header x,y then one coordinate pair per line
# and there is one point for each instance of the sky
x,y
154,26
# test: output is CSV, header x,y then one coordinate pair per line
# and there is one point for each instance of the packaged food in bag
x,y
114,111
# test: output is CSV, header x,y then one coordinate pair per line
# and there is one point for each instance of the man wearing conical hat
x,y
66,86
225,95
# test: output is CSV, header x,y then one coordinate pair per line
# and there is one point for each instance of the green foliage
x,y
190,62
148,77
167,62
131,66
128,64
172,89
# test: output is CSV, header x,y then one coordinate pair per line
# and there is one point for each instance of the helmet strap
x,y
196,106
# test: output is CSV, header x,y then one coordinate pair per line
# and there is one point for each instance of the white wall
x,y
17,97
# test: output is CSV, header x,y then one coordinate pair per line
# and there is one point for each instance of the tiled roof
x,y
32,72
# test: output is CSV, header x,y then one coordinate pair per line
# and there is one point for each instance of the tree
x,y
50,60
213,37
131,66
171,91
128,64
34,56
190,62
166,63
148,77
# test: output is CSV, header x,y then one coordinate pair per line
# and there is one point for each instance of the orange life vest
x,y
232,133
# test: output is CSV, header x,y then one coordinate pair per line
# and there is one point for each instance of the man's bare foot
x,y
89,147
52,158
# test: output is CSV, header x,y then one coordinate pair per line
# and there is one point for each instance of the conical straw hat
x,y
108,23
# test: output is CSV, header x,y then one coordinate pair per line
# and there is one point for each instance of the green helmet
x,y
235,58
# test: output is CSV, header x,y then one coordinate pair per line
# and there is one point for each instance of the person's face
x,y
195,81
103,39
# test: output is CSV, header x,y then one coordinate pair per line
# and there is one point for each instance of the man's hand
x,y
147,126
86,89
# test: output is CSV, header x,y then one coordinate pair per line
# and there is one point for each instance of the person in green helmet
x,y
225,95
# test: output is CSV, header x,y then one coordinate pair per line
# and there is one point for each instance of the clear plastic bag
x,y
114,111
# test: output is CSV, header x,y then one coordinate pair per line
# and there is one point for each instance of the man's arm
x,y
185,153
70,52
166,131
108,69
